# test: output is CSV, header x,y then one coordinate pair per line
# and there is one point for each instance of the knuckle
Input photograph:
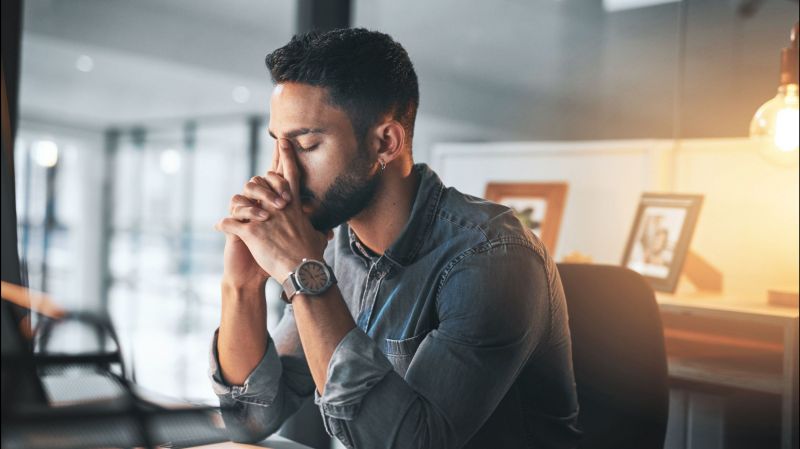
x,y
253,211
268,193
248,227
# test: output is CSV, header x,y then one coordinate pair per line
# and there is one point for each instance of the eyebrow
x,y
299,132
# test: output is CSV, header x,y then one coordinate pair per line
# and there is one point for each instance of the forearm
x,y
322,322
242,338
266,392
271,394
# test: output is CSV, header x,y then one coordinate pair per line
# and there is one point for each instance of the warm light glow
x,y
45,153
787,131
775,125
170,161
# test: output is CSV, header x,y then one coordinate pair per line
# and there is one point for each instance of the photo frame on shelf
x,y
538,205
660,237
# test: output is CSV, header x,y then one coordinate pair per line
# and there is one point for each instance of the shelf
x,y
720,375
704,338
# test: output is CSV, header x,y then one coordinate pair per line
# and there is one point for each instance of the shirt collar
x,y
408,244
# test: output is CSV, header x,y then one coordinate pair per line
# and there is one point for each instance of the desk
x,y
722,341
273,442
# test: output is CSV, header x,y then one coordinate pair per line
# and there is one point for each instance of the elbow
x,y
248,434
244,426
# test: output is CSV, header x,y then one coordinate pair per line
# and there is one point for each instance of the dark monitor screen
x,y
20,383
19,380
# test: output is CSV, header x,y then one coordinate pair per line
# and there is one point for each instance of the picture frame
x,y
538,205
659,240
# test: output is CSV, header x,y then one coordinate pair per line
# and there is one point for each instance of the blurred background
x,y
138,121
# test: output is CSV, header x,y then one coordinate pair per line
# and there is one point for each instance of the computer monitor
x,y
20,386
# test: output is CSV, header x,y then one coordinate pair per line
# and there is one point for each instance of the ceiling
x,y
540,69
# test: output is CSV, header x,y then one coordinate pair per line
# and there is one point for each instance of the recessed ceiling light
x,y
84,63
45,153
241,94
170,161
622,5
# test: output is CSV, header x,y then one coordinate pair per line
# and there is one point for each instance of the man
x,y
431,319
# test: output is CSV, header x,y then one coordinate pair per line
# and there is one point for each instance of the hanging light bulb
x,y
775,124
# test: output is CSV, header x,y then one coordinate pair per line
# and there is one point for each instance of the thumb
x,y
276,160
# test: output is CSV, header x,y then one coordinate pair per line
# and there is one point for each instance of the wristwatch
x,y
311,277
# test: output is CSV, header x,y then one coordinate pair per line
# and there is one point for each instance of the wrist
x,y
291,264
240,291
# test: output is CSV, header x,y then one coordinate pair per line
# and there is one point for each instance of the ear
x,y
391,140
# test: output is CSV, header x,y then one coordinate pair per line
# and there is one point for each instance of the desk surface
x,y
724,303
273,442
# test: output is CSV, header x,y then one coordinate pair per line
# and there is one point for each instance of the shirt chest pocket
x,y
400,352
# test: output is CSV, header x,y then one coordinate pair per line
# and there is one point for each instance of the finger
x,y
280,185
276,158
230,226
238,201
250,213
257,190
289,166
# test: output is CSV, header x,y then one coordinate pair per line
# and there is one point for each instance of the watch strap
x,y
290,288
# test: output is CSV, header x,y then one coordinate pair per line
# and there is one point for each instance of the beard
x,y
350,193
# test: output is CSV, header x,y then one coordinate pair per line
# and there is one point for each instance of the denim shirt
x,y
462,340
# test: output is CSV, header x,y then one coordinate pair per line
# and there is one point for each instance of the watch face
x,y
312,276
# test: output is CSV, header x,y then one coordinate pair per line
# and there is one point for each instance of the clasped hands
x,y
267,232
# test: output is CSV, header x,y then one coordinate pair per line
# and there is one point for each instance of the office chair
x,y
618,356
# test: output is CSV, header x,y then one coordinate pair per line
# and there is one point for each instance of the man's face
x,y
337,174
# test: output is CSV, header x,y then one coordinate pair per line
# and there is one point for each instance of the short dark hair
x,y
366,73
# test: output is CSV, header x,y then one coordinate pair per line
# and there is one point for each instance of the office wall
x,y
748,227
749,224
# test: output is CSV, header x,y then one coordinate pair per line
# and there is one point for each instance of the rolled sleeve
x,y
356,366
261,385
272,392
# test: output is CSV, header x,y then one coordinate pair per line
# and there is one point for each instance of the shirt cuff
x,y
261,385
355,367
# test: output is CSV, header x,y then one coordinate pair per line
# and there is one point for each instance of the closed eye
x,y
306,149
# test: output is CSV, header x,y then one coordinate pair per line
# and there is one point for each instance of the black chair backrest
x,y
618,355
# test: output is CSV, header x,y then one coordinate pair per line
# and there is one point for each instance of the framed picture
x,y
539,206
660,237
